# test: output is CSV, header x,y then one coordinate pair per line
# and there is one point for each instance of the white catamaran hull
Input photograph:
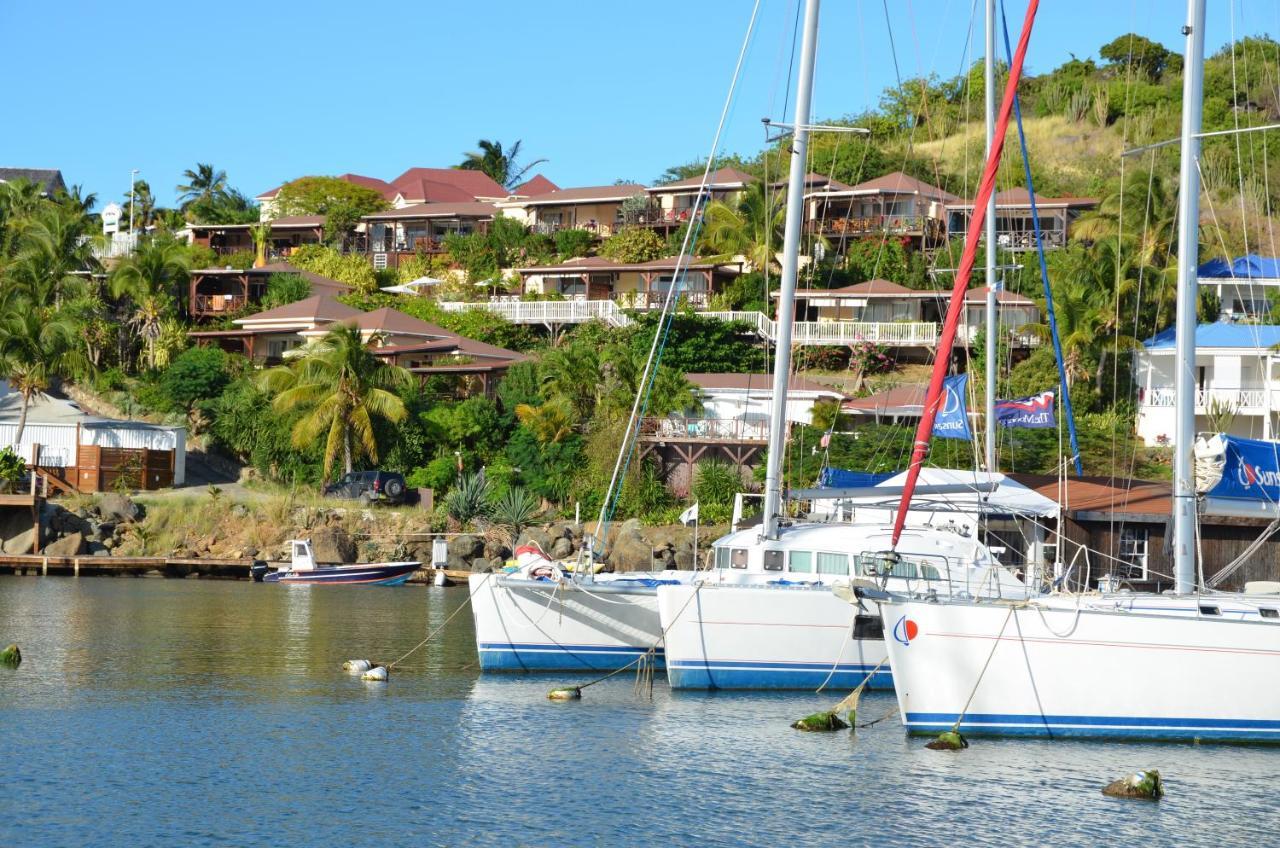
x,y
536,625
768,637
1152,667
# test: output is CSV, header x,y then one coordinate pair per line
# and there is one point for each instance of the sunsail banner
x,y
953,415
1251,471
1034,411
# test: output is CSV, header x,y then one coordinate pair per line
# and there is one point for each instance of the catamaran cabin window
x,y
833,563
801,562
773,560
739,558
1132,553
722,557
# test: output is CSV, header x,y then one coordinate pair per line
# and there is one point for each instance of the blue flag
x,y
952,421
1034,411
1252,470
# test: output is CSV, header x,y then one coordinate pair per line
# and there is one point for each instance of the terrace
x,y
1015,226
400,234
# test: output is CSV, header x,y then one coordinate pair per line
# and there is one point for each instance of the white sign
x,y
111,218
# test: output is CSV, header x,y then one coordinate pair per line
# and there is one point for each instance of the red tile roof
x,y
1019,197
538,184
1104,494
446,185
1002,296
905,400
900,183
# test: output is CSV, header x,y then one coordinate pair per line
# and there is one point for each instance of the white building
x,y
1237,377
1244,287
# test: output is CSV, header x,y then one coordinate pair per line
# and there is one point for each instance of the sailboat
x,y
1190,665
765,617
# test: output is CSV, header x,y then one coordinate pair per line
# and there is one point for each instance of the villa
x,y
596,209
1015,228
895,204
637,285
400,234
216,292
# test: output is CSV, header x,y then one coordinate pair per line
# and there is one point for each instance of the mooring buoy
x,y
1144,785
11,656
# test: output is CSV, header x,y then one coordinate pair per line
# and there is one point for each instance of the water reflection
x,y
224,707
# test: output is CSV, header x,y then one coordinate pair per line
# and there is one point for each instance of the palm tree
x,y
203,185
502,166
143,204
341,387
152,278
572,373
36,347
77,200
550,423
50,256
751,227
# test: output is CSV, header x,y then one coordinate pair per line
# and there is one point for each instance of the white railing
x,y
115,246
915,334
1239,400
708,429
548,311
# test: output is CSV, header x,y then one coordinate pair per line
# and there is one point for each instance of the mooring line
x,y
443,624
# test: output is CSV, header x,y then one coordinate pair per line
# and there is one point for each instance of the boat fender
x,y
377,674
356,666
1145,786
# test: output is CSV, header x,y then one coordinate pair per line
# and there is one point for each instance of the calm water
x,y
158,712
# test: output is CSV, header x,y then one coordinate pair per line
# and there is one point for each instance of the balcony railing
x,y
865,225
217,304
1238,400
703,429
550,228
547,311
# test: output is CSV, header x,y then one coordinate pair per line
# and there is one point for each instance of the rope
x,y
433,633
955,728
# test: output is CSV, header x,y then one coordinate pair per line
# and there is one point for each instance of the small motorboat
x,y
302,569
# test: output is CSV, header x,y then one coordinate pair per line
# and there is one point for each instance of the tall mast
x,y
790,266
1184,484
993,330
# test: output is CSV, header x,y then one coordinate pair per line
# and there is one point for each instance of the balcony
x,y
1246,400
904,225
213,305
703,430
546,312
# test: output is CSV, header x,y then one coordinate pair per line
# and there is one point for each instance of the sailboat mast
x,y
992,318
1184,484
790,268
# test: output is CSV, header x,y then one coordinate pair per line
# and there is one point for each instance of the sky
x,y
269,91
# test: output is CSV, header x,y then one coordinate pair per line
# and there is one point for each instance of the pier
x,y
120,566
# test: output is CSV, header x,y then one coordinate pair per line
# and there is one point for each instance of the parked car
x,y
369,486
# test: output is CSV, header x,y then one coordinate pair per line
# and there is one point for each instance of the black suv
x,y
369,486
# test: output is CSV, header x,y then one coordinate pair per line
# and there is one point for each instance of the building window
x,y
1132,553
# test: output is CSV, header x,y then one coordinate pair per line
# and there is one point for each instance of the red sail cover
x,y
933,398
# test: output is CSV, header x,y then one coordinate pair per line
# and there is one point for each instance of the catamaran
x,y
1190,665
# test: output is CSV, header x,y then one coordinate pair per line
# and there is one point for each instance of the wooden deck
x,y
77,566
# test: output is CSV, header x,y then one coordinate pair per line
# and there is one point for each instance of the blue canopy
x,y
1251,267
839,478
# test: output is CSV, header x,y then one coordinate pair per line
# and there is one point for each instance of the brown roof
x,y
871,288
320,307
1020,197
462,209
757,382
602,264
434,337
388,320
1104,494
907,399
538,184
719,178
900,183
584,194
446,185
288,222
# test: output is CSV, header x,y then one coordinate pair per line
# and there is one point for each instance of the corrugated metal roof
x,y
1222,334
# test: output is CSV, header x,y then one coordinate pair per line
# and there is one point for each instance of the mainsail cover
x,y
1250,468
955,308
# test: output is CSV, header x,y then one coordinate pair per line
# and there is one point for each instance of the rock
x,y
466,546
118,508
22,543
1145,786
684,560
630,553
535,536
11,656
332,544
820,723
250,552
109,542
562,548
69,545
494,549
240,510
480,565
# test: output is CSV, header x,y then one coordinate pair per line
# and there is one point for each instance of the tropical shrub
x,y
633,244
283,289
198,374
469,499
350,268
572,243
514,510
715,482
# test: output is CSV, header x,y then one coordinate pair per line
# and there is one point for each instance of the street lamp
x,y
133,180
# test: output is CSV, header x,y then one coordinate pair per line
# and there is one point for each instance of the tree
x,y
198,374
284,289
203,185
230,207
36,347
633,244
350,268
1146,57
551,422
50,256
342,203
502,166
152,278
341,387
142,205
751,227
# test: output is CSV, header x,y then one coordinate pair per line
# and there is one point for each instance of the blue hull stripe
x,y
691,674
1137,727
539,656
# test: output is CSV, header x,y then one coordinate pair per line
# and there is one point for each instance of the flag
x,y
952,421
690,515
825,441
1034,411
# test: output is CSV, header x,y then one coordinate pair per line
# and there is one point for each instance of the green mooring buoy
x,y
820,723
11,656
949,740
1145,786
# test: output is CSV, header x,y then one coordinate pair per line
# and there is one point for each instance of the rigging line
x,y
1235,113
651,364
791,63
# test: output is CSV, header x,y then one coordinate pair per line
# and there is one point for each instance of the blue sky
x,y
269,91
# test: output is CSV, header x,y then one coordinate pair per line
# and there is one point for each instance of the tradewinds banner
x,y
1034,411
1251,471
952,421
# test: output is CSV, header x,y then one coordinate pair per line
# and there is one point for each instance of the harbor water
x,y
165,712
